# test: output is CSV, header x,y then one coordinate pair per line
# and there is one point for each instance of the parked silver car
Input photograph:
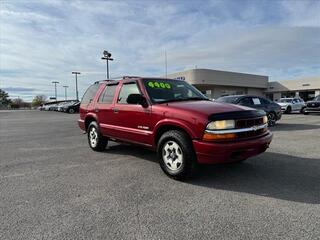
x,y
289,105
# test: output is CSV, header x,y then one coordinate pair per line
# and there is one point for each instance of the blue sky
x,y
44,41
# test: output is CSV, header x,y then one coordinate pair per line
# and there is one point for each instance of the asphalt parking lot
x,y
52,186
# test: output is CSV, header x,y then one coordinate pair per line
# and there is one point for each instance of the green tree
x,y
38,100
4,98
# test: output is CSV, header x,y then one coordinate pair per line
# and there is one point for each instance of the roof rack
x,y
124,77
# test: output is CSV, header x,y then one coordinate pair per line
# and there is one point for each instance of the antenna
x,y
166,62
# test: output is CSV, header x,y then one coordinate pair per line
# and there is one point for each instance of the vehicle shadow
x,y
293,127
270,174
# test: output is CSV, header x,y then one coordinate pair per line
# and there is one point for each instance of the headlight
x,y
222,124
265,119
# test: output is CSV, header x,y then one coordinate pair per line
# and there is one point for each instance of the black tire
x,y
303,110
305,113
288,110
93,133
184,153
271,119
71,110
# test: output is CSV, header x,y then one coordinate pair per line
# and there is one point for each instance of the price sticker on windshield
x,y
162,85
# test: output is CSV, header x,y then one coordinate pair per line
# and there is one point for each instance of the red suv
x,y
173,118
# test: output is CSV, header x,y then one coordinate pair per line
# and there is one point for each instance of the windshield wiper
x,y
184,99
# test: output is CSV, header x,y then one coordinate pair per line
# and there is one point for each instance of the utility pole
x,y
77,93
107,57
65,92
166,62
55,89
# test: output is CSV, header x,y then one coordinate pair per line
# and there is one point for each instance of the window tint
x,y
245,101
126,90
90,93
107,94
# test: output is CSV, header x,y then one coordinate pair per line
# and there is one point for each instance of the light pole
x,y
77,93
107,57
65,92
55,89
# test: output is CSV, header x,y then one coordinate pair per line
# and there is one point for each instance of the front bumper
x,y
213,153
81,124
312,110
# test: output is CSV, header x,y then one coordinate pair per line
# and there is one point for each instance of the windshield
x,y
227,99
166,90
317,98
285,100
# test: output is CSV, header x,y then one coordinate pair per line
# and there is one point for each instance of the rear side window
x,y
90,93
107,94
126,90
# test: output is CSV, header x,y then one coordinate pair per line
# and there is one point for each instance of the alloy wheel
x,y
172,155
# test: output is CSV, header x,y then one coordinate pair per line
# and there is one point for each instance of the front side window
x,y
126,90
264,101
166,90
107,94
245,101
256,101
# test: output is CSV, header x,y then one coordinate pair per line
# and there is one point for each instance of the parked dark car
x,y
272,109
74,108
313,106
173,118
65,106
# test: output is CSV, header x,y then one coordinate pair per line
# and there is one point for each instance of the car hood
x,y
282,104
207,107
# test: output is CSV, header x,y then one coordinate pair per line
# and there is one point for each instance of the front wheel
x,y
303,110
71,110
176,155
271,119
97,141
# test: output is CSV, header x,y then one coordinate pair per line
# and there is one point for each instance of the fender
x,y
177,123
92,115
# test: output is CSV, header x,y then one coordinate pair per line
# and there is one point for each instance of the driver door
x,y
132,120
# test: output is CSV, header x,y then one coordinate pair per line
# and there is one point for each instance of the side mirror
x,y
137,99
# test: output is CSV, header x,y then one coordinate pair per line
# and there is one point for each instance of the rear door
x,y
133,120
104,109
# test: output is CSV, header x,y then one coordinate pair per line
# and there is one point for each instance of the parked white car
x,y
289,105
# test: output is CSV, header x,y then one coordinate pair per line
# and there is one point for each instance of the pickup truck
x,y
173,118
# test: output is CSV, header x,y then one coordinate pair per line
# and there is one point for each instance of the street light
x,y
77,93
107,57
65,92
55,89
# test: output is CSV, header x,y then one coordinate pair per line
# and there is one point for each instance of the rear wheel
x,y
71,110
97,142
303,110
176,154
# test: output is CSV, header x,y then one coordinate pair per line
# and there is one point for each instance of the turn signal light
x,y
218,137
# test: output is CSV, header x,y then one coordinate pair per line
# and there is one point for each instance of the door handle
x,y
115,110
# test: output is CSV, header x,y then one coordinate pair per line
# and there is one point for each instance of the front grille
x,y
251,134
246,123
313,104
